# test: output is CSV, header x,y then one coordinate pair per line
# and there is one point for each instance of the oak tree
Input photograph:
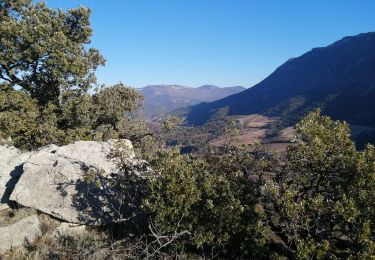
x,y
44,51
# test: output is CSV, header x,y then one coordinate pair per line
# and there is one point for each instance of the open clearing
x,y
257,129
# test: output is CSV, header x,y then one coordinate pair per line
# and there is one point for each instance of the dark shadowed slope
x,y
162,99
339,78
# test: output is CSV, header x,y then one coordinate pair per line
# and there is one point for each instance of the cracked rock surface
x,y
53,180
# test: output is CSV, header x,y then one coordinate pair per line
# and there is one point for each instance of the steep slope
x,y
162,99
339,78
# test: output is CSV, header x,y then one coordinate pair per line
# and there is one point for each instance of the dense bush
x,y
79,116
212,198
206,205
317,202
25,122
46,73
321,203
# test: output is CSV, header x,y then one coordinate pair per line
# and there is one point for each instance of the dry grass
x,y
93,243
10,216
247,138
90,245
255,130
255,121
275,147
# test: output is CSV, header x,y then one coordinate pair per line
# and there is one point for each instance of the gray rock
x,y
57,182
68,229
27,229
94,154
7,151
11,168
52,148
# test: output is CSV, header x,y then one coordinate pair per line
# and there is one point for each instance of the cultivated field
x,y
258,129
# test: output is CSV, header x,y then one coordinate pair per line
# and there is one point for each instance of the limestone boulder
x,y
66,182
7,151
11,169
25,230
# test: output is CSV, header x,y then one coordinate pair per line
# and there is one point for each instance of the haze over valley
x,y
163,99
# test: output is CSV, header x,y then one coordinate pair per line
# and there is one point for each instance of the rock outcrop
x,y
25,230
11,169
58,180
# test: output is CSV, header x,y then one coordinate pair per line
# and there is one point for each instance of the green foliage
x,y
171,122
25,122
210,198
317,202
198,138
79,116
46,71
112,104
321,199
102,115
43,51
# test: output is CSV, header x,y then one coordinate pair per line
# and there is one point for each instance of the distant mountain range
x,y
163,99
339,78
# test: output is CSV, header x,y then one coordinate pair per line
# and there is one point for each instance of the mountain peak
x,y
339,78
208,87
165,86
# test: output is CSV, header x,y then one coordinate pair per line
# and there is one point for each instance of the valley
x,y
249,132
93,168
339,79
160,100
258,129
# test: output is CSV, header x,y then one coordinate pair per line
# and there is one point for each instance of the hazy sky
x,y
221,42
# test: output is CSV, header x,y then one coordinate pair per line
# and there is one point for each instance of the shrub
x,y
317,202
79,116
321,202
27,124
206,204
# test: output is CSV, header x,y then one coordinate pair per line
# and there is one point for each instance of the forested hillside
x,y
339,79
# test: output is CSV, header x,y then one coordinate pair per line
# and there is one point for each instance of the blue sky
x,y
220,42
